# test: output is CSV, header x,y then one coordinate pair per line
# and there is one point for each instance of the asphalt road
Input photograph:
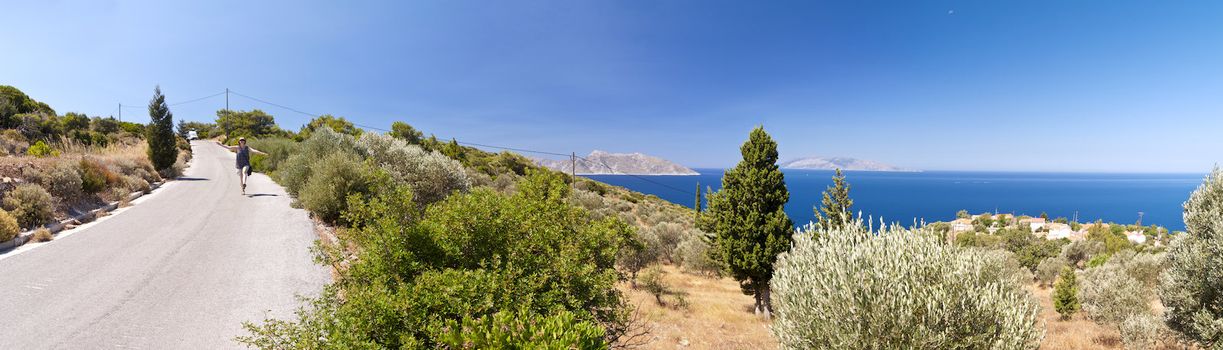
x,y
180,269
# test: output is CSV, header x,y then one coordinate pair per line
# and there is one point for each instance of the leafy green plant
x,y
42,234
652,282
431,175
523,330
334,179
41,150
63,180
892,288
95,176
1110,295
1190,287
1141,331
1066,293
1047,271
30,204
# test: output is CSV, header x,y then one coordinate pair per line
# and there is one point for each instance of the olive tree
x,y
1192,286
854,288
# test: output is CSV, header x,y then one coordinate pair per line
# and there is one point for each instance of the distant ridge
x,y
843,163
605,163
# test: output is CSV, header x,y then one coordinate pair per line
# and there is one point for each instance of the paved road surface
x,y
181,269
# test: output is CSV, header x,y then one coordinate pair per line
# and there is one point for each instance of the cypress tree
x,y
835,204
160,132
698,198
1066,293
748,217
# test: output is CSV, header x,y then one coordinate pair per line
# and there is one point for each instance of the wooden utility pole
x,y
120,111
573,171
226,118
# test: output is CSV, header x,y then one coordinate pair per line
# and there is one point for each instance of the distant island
x,y
843,163
605,163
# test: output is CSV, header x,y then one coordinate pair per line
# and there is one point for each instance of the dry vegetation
x,y
719,316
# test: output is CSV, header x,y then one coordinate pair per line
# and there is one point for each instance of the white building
x,y
1136,237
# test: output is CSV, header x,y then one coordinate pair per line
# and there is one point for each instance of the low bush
x,y
295,171
1079,252
693,253
95,176
278,150
1110,295
42,235
854,288
523,330
470,255
8,226
669,235
1046,272
652,282
1141,331
30,204
332,180
640,251
63,181
431,175
41,149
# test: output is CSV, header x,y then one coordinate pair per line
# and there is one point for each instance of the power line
x,y
198,99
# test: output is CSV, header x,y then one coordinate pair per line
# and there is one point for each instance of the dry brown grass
x,y
719,315
42,235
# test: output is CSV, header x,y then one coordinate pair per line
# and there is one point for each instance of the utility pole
x,y
1140,219
573,171
226,117
120,111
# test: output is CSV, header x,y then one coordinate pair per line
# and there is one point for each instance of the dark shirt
x,y
244,156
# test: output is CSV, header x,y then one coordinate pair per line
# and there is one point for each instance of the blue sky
x,y
939,85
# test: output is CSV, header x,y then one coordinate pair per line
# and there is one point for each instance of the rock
x,y
683,342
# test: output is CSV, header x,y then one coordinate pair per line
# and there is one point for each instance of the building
x,y
1033,223
1058,231
1137,237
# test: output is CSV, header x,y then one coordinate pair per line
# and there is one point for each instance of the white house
x,y
1034,223
1136,237
1058,231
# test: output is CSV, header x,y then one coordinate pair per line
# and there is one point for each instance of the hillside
x,y
843,163
605,163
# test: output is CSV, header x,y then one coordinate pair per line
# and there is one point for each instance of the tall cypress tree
x,y
160,132
835,204
698,198
747,215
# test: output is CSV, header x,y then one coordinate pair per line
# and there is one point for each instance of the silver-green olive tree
x,y
854,288
1192,286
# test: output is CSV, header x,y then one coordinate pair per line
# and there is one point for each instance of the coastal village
x,y
1059,228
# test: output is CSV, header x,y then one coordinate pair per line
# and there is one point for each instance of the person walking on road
x,y
243,159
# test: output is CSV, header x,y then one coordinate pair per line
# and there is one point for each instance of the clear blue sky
x,y
951,85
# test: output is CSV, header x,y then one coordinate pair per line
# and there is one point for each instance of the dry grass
x,y
42,235
719,315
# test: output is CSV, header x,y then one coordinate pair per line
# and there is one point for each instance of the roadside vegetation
x,y
442,245
57,166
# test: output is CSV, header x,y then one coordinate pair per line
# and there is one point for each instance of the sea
x,y
909,197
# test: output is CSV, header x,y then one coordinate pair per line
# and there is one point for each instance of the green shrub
x,y
278,150
523,330
471,255
669,235
651,281
295,171
694,254
640,251
431,175
1079,252
1141,331
95,176
41,149
1046,272
1190,288
1110,295
63,180
8,226
1066,293
333,179
30,204
894,289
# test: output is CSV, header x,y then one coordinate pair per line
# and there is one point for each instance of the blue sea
x,y
937,195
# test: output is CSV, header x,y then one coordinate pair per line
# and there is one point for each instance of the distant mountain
x,y
604,163
843,163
